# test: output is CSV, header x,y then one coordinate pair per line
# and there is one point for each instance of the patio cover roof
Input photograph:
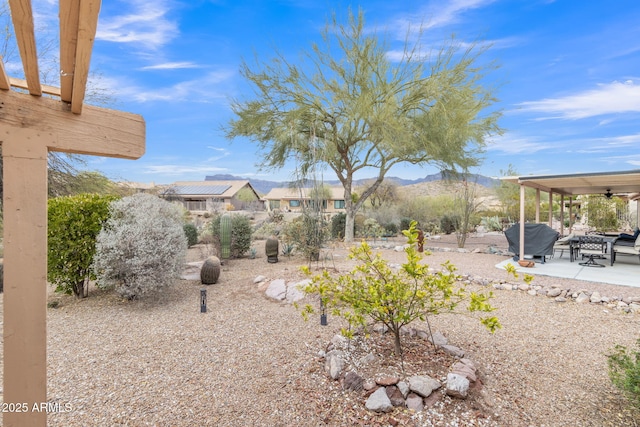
x,y
620,182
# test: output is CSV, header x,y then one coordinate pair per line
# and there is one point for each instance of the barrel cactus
x,y
225,236
210,271
271,249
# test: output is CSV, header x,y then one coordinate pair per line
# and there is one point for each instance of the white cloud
x,y
204,89
144,23
223,153
608,98
171,66
437,14
177,170
513,144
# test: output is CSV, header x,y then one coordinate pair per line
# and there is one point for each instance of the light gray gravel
x,y
250,361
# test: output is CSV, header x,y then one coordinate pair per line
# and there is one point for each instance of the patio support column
x,y
570,213
537,205
562,214
550,211
521,249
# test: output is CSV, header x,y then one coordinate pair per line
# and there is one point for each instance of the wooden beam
x,y
87,27
69,15
97,131
22,84
25,275
22,17
4,79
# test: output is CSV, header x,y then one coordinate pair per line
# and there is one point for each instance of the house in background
x,y
210,196
295,199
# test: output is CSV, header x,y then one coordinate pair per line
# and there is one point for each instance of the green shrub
x,y
390,229
624,371
307,233
449,223
491,223
338,224
265,230
241,234
191,232
73,226
395,298
405,223
141,247
372,229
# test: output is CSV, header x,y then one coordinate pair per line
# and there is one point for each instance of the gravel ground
x,y
250,361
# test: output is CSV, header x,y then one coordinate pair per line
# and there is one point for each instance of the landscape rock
x,y
404,388
334,364
395,395
379,401
277,290
387,381
595,298
423,385
554,292
457,386
414,402
294,292
437,339
352,381
259,279
453,350
582,298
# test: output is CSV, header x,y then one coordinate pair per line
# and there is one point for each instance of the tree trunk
x,y
349,226
396,336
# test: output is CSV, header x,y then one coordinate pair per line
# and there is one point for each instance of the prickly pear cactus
x,y
210,271
271,249
225,236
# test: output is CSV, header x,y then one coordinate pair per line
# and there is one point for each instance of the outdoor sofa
x,y
625,246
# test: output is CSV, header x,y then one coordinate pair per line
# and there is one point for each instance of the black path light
x,y
323,314
203,300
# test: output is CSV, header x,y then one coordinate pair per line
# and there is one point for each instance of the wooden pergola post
x,y
25,273
30,126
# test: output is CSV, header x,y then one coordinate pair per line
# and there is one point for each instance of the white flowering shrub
x,y
142,247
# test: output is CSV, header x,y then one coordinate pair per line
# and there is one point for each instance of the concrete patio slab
x,y
625,271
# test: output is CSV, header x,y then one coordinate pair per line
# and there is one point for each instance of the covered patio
x,y
626,270
620,183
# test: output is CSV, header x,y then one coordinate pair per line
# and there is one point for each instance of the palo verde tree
x,y
355,110
375,291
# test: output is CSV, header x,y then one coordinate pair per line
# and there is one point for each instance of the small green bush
x,y
307,233
449,223
241,234
405,223
191,232
73,226
374,291
338,224
390,229
624,371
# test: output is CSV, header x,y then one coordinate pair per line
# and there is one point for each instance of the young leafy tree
x,y
142,246
74,224
373,291
354,110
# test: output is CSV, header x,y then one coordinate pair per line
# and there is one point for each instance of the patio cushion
x,y
627,246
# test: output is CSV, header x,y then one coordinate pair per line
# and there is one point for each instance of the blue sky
x,y
569,76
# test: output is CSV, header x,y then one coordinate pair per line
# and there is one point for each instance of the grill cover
x,y
538,239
